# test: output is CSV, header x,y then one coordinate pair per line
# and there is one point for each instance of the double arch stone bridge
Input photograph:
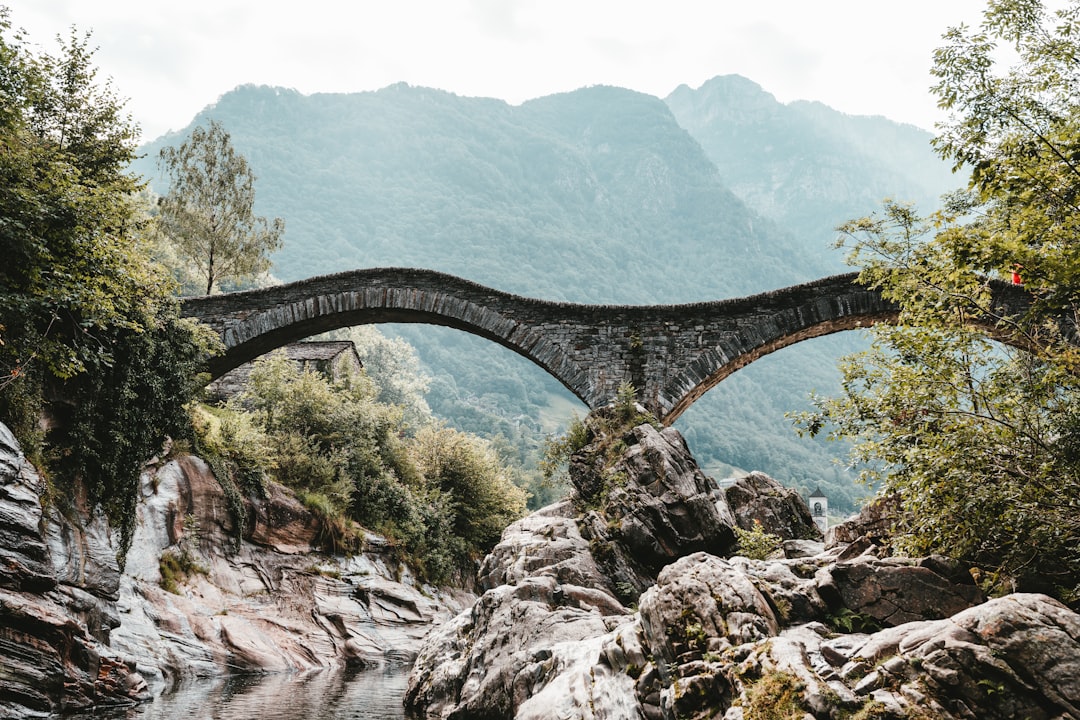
x,y
671,354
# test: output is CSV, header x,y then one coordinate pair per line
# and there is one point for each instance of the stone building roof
x,y
324,356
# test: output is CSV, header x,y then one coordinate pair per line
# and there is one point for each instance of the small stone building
x,y
334,359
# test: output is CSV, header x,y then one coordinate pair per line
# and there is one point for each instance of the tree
x,y
208,211
468,470
980,441
91,337
392,364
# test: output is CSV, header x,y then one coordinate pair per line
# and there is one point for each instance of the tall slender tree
x,y
209,209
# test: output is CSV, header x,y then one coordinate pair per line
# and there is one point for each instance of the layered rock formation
x,y
562,628
76,631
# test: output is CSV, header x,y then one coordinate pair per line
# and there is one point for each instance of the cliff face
x,y
76,631
837,631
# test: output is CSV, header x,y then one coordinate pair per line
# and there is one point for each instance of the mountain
x,y
592,196
805,165
602,195
809,168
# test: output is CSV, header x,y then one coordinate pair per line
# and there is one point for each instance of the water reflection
x,y
339,695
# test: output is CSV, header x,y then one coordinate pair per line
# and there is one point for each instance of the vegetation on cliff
x,y
439,495
91,336
92,347
978,440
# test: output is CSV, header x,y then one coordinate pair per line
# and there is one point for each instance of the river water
x,y
326,695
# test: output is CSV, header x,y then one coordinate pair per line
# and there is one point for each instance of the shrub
x,y
757,544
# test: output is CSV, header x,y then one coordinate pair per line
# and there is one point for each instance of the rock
x,y
542,617
76,632
550,633
757,498
81,550
1015,656
846,631
872,525
658,505
547,542
698,600
24,555
802,548
58,584
505,650
265,606
279,521
893,591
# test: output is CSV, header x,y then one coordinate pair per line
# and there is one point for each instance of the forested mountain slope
x,y
591,196
597,196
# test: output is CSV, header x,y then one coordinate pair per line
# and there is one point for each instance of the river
x,y
327,695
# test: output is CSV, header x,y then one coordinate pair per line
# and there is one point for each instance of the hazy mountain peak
x,y
724,96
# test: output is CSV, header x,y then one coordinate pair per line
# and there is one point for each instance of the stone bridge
x,y
672,354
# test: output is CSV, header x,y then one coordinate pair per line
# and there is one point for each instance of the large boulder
x,y
649,505
872,526
544,597
757,499
550,631
893,591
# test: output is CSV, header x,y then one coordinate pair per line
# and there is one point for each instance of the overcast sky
x,y
172,58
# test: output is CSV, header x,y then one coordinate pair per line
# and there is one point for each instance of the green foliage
x,y
175,568
394,368
757,544
442,497
208,211
468,470
70,240
608,424
237,452
91,336
559,449
979,440
848,621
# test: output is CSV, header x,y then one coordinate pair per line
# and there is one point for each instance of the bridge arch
x,y
255,322
672,354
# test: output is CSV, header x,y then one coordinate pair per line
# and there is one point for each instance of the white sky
x,y
171,58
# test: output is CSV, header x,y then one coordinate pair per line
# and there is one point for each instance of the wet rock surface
x,y
75,631
841,629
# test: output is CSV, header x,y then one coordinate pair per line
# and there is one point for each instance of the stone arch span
x,y
672,354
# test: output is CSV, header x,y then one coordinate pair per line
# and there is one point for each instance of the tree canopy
x,y
442,497
91,337
209,210
980,441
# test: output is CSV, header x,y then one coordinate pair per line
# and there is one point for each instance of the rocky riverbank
x,y
77,631
629,601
